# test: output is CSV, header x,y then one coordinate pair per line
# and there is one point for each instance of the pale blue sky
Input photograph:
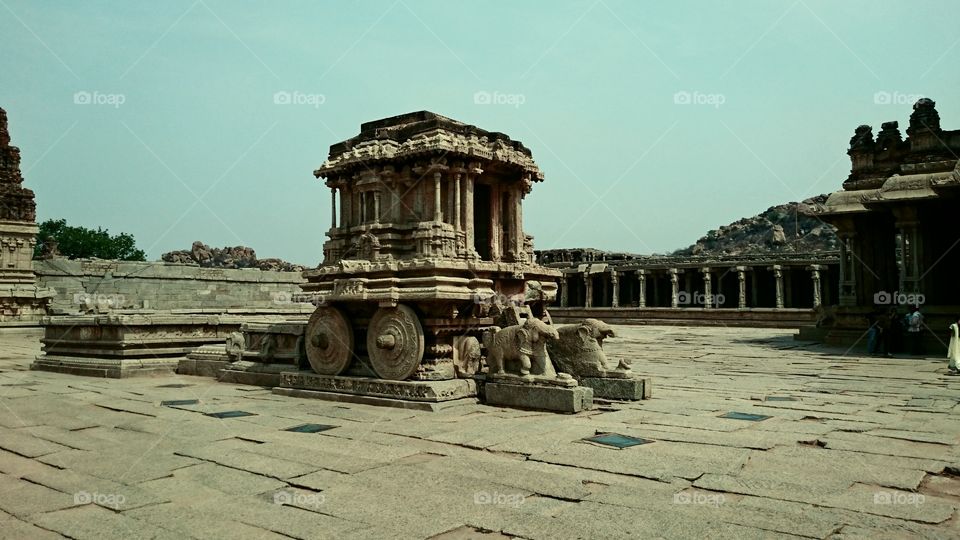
x,y
626,167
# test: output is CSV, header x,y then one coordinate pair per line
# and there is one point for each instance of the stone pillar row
x,y
712,284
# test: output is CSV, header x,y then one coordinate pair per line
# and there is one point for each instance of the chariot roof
x,y
424,133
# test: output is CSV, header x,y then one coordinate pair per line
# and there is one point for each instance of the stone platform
x,y
204,361
627,388
132,343
688,316
562,399
419,395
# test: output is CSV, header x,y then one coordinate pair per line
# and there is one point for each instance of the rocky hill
x,y
227,257
790,227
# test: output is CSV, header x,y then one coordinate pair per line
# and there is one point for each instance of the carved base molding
x,y
412,391
114,368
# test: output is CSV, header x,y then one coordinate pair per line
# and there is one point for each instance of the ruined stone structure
x,y
897,228
130,343
21,301
85,285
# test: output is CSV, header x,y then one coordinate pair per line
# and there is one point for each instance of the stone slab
x,y
632,389
543,398
418,391
113,368
253,378
201,367
432,406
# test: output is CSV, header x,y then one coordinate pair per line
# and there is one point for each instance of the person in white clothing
x,y
953,351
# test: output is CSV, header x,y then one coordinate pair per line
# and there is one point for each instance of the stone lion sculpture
x,y
579,350
524,343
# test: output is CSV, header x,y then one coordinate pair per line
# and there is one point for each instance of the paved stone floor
x,y
868,448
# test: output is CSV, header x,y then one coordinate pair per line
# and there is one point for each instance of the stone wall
x,y
83,284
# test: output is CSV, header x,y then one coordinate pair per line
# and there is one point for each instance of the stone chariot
x,y
428,252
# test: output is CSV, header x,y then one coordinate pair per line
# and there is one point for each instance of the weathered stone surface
x,y
538,397
91,522
398,473
84,285
21,498
428,391
634,388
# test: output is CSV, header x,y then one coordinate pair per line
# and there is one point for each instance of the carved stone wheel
x,y
395,342
329,341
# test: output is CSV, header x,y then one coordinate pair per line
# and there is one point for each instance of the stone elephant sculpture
x,y
524,343
579,349
235,345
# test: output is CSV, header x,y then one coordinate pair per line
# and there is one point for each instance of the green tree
x,y
81,242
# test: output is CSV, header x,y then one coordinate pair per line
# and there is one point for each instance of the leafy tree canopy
x,y
83,243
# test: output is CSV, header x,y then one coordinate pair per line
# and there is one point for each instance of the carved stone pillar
x,y
564,291
707,288
496,223
588,287
815,277
910,268
778,277
333,208
468,213
376,207
742,291
344,208
848,275
437,210
518,223
674,287
642,280
615,289
457,220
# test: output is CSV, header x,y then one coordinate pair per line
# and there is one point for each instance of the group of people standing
x,y
891,333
